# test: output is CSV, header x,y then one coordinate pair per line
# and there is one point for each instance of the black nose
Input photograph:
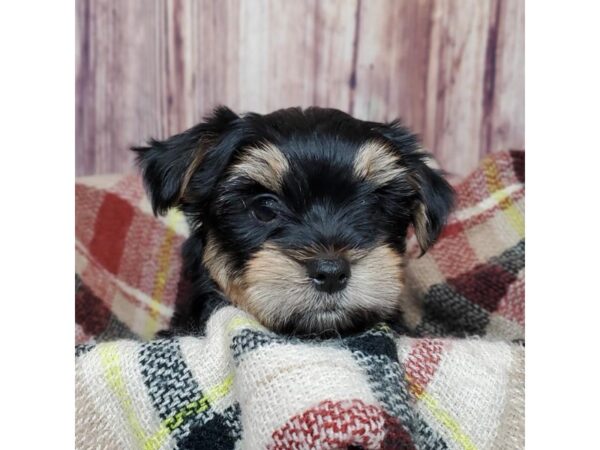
x,y
329,275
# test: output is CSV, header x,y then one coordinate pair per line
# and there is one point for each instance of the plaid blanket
x,y
454,380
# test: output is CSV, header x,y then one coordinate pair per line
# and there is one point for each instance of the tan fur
x,y
376,162
277,287
265,164
421,226
220,270
381,270
272,278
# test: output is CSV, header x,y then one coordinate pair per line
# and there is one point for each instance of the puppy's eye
x,y
263,207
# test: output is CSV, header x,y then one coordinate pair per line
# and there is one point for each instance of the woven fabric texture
x,y
456,382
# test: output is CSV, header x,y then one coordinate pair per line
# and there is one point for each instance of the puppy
x,y
299,217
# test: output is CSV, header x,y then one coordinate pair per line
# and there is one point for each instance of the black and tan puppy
x,y
299,217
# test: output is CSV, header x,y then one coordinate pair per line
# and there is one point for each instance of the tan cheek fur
x,y
377,280
276,287
220,270
275,282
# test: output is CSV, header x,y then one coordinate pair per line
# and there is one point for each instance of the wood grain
x,y
453,70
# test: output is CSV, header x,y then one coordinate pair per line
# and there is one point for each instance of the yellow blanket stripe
x,y
440,415
161,275
245,322
513,215
191,409
109,357
446,419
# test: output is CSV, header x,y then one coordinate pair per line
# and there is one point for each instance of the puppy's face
x,y
302,215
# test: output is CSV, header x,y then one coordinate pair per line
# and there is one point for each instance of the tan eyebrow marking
x,y
265,164
376,162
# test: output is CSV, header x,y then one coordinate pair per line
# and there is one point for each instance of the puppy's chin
x,y
327,323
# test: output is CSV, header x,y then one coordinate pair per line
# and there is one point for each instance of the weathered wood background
x,y
453,70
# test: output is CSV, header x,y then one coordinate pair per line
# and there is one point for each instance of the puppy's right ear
x,y
167,166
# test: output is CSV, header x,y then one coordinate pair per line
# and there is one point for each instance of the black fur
x,y
323,202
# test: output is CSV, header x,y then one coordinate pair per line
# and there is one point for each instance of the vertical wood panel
x,y
215,55
85,143
285,34
508,116
391,70
118,81
455,82
290,68
452,69
334,43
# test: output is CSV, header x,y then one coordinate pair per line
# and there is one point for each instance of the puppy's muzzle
x,y
329,274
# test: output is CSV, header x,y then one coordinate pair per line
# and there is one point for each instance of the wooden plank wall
x,y
453,70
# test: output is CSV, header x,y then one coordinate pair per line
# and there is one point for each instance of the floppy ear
x,y
434,197
167,166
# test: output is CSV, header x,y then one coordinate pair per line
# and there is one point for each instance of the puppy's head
x,y
302,214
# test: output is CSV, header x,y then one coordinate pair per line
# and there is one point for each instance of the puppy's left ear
x,y
434,197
